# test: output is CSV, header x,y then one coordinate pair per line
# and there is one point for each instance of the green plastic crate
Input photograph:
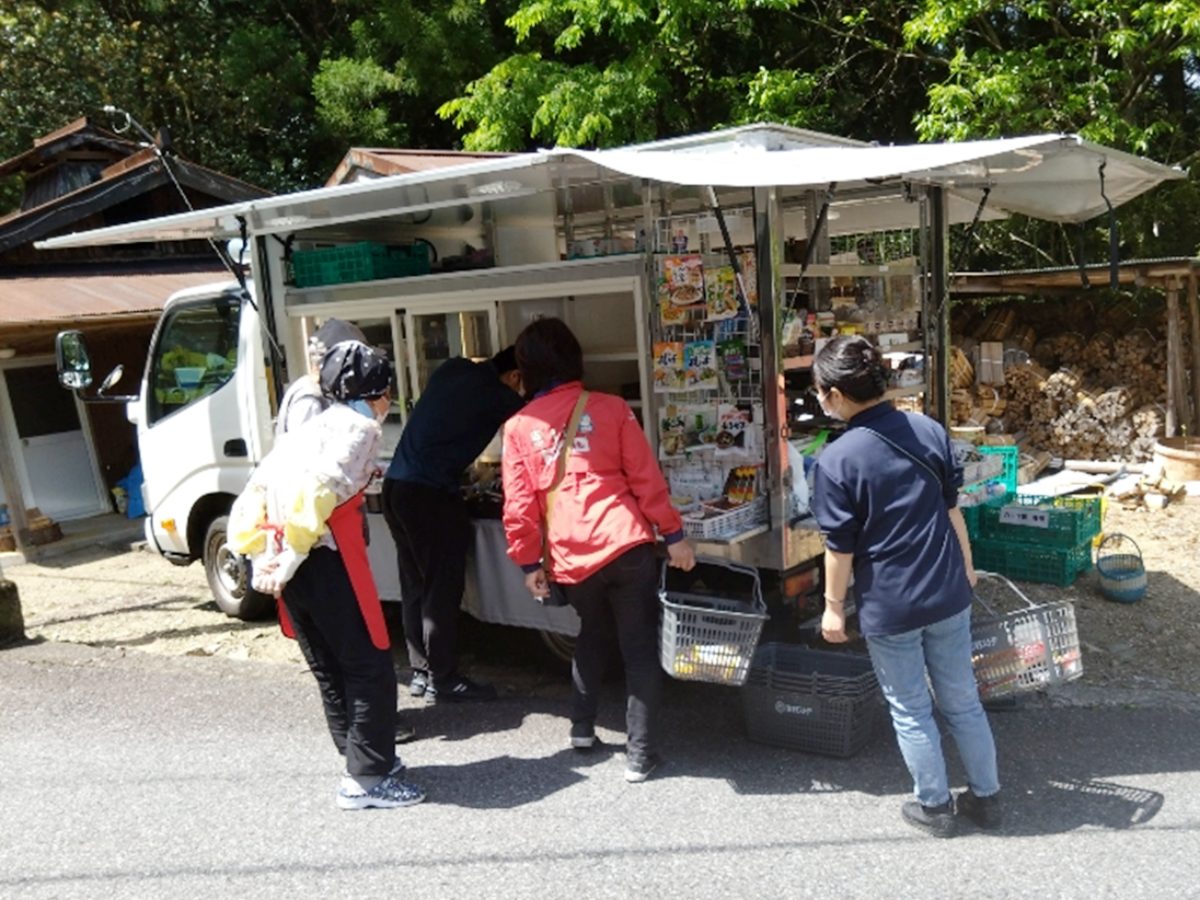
x,y
364,261
1051,521
1029,562
1012,464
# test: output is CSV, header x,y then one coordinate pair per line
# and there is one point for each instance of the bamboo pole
x,y
1172,339
1194,311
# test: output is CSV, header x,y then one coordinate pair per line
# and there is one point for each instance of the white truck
x,y
456,261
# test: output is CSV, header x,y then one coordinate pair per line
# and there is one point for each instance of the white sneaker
x,y
388,794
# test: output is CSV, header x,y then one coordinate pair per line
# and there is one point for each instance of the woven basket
x,y
1122,573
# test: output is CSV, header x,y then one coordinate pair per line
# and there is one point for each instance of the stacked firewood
x,y
1074,396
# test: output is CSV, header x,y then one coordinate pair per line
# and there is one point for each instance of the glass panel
x,y
196,354
439,336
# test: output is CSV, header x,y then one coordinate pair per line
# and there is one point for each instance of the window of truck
x,y
196,354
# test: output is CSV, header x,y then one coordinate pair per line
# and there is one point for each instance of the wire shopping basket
x,y
1026,650
710,638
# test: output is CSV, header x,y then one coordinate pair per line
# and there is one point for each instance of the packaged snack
x,y
700,363
732,357
669,367
733,426
684,278
720,293
687,428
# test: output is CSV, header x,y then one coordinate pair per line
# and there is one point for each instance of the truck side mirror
x,y
74,362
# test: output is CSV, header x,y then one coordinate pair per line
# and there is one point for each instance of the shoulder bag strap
x,y
561,470
920,462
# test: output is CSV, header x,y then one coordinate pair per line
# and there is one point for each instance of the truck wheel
x,y
561,647
226,573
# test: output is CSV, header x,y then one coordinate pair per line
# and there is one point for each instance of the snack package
x,y
720,293
700,365
682,287
734,430
686,428
669,367
731,355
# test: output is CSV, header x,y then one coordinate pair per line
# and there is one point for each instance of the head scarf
x,y
351,370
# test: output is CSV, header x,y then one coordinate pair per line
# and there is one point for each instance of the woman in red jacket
x,y
593,533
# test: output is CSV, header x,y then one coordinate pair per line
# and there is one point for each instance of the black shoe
x,y
419,683
583,735
638,769
937,821
983,811
460,689
404,732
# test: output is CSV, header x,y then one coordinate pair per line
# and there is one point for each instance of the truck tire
x,y
559,647
227,577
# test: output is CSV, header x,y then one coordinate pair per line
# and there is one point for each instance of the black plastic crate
x,y
811,700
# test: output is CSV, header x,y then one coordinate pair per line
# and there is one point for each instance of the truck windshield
x,y
195,355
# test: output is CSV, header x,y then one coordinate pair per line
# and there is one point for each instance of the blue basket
x,y
1122,574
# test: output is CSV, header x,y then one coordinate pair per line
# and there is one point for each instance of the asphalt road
x,y
130,775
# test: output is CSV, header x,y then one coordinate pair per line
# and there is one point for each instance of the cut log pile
x,y
1073,396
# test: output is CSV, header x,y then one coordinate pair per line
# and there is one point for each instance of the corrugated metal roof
x,y
388,161
55,298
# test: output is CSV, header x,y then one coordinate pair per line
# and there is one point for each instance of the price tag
x,y
1023,515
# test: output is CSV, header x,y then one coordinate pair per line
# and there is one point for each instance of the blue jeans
x,y
943,650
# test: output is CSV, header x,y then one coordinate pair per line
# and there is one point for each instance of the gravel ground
x,y
135,600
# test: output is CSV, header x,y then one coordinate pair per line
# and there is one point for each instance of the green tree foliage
x,y
1119,72
404,59
232,80
610,72
275,92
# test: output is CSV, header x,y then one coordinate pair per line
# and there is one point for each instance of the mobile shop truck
x,y
700,275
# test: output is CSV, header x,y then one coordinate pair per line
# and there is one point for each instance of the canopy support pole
x,y
1114,251
738,278
938,330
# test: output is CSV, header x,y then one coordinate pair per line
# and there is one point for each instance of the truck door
x,y
195,454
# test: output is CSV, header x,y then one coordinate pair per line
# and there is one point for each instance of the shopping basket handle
x,y
996,575
740,568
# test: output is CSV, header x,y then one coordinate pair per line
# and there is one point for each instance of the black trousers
x,y
432,531
620,603
356,679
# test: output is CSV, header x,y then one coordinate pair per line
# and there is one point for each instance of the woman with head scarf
x,y
300,522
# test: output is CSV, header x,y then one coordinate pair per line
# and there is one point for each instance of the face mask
x,y
824,401
364,407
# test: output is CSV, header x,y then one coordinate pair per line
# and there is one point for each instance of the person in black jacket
x,y
458,414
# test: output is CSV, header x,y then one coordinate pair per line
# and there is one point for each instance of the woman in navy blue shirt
x,y
884,495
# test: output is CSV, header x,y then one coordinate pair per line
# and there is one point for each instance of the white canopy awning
x,y
1054,177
